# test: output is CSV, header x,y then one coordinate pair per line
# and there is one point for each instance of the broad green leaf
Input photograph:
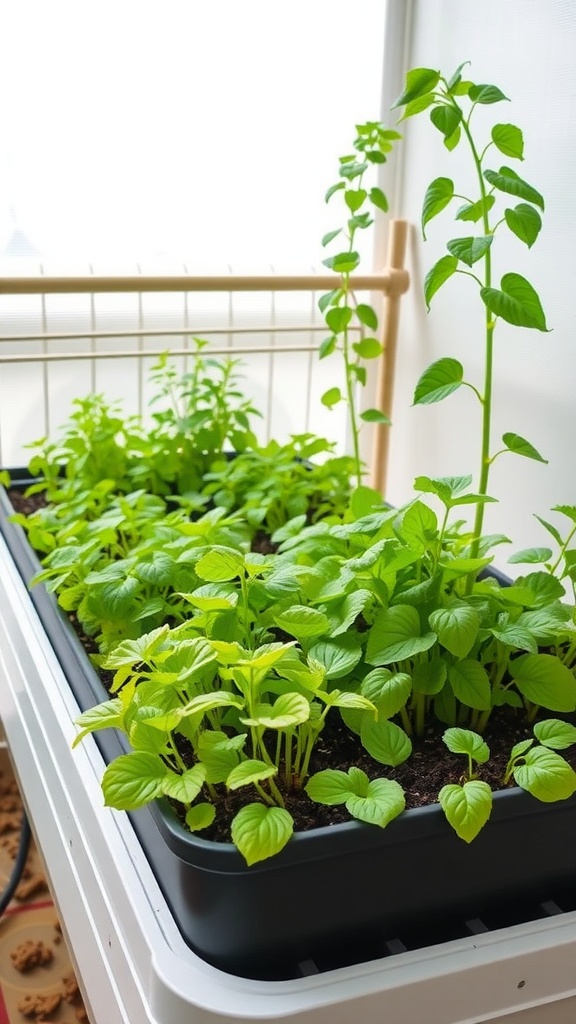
x,y
509,140
464,741
531,556
418,105
368,348
470,684
374,416
486,94
546,775
142,649
343,262
566,510
467,808
288,710
107,715
348,610
185,787
327,347
331,397
520,446
520,748
206,702
445,487
260,832
383,802
378,199
338,318
219,754
248,772
220,565
476,211
525,222
329,298
438,195
301,621
470,249
438,275
354,198
332,786
545,681
514,636
387,691
133,780
438,381
327,238
396,635
367,316
345,699
554,733
542,588
446,119
158,568
507,180
334,188
200,816
339,656
429,676
385,741
517,302
419,526
419,82
457,628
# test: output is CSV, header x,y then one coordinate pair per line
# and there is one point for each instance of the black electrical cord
x,y
19,864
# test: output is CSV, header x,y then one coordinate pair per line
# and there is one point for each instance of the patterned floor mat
x,y
37,981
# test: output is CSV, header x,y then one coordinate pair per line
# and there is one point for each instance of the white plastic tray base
x,y
131,961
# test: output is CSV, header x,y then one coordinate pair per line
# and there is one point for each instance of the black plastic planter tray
x,y
336,895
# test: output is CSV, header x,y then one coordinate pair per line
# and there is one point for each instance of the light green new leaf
x,y
107,715
545,681
464,741
438,275
260,832
141,649
368,348
438,195
418,105
378,198
554,733
517,303
438,381
457,628
470,684
506,180
520,446
200,816
343,262
220,565
367,316
383,802
332,787
185,787
288,710
419,82
248,772
546,775
525,222
331,397
133,780
375,416
509,140
467,808
419,526
338,318
385,741
327,238
470,249
301,621
514,636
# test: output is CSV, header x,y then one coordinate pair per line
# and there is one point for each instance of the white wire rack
x,y
63,337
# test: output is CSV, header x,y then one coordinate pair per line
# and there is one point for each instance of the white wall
x,y
527,48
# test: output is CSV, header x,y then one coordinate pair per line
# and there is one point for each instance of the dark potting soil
x,y
429,767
